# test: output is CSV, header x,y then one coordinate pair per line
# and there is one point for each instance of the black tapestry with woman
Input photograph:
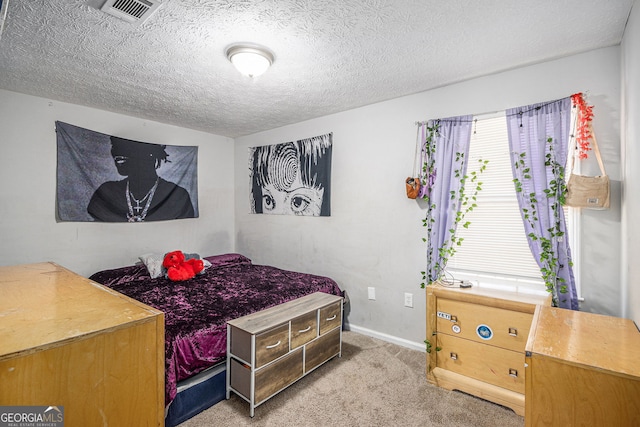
x,y
104,178
142,195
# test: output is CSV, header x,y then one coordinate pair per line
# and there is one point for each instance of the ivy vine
x,y
556,191
466,203
429,346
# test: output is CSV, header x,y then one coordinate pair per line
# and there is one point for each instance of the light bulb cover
x,y
250,59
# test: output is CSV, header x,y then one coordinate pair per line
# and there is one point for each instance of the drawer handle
x,y
513,373
308,328
454,356
513,332
274,345
332,317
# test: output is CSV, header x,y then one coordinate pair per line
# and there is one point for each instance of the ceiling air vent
x,y
131,10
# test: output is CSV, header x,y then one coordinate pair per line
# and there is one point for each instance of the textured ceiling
x,y
331,55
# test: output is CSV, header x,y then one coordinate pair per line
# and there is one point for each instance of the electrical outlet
x,y
408,300
372,293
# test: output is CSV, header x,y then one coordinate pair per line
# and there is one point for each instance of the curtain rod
x,y
424,122
490,113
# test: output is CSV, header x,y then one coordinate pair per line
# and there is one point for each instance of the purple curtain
x,y
445,146
538,140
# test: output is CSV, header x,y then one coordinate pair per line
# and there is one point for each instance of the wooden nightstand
x,y
583,369
269,350
481,335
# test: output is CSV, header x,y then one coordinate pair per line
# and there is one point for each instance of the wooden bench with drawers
x,y
269,350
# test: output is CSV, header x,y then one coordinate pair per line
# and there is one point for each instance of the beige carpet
x,y
374,383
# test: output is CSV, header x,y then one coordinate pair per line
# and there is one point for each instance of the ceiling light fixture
x,y
250,59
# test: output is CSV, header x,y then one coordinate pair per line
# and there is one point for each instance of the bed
x,y
196,312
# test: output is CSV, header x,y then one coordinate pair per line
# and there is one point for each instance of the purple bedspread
x,y
196,310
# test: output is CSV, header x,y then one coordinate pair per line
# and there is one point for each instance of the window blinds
x,y
495,243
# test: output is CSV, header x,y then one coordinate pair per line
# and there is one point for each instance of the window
x,y
495,252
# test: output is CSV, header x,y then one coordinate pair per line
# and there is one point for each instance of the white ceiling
x,y
331,55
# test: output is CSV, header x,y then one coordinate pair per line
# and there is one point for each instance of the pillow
x,y
206,263
153,262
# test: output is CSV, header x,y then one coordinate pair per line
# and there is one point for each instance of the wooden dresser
x,y
269,350
67,341
583,369
477,339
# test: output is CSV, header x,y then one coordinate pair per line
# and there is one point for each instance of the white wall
x,y
374,235
631,150
28,228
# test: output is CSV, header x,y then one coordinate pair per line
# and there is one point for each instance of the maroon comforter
x,y
196,310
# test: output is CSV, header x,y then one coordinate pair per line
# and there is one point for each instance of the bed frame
x,y
196,394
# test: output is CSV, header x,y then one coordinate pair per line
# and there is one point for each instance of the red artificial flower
x,y
583,127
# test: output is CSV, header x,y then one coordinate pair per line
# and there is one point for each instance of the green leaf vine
x,y
466,202
429,346
556,191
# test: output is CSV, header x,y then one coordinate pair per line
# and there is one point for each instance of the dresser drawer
x,y
322,349
272,344
330,317
489,325
273,378
304,329
497,366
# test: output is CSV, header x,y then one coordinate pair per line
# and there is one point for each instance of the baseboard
x,y
388,338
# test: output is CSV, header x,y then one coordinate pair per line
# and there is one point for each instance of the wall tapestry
x,y
4,5
292,178
111,179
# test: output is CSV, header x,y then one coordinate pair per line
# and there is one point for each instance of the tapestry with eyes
x,y
292,178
